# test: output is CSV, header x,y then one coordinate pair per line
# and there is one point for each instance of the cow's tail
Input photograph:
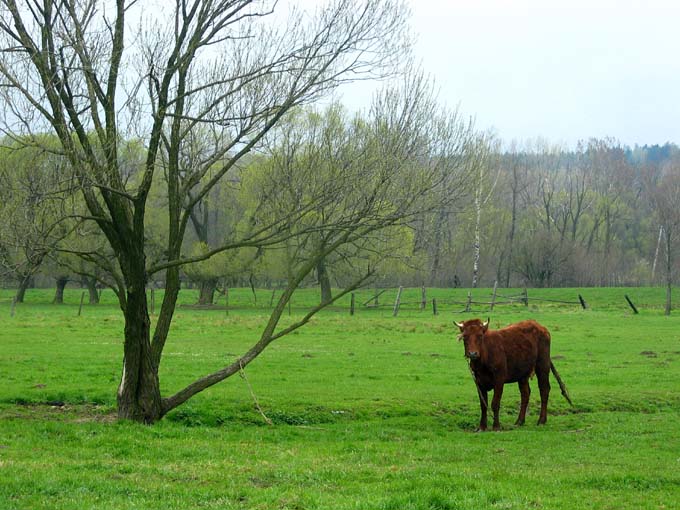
x,y
563,387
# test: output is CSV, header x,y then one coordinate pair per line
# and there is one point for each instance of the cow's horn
x,y
459,324
485,324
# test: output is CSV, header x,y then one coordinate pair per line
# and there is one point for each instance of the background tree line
x,y
538,215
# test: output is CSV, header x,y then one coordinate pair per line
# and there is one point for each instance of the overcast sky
x,y
561,70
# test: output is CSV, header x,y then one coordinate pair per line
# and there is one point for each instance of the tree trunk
x,y
91,285
604,278
434,271
59,293
656,252
511,237
476,246
669,271
207,291
21,291
436,258
139,397
324,281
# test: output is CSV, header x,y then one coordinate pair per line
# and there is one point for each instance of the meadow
x,y
367,411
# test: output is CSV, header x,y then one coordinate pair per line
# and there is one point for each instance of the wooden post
x,y
469,301
82,298
351,305
635,310
423,298
493,296
377,294
526,297
434,306
14,305
153,301
584,305
397,302
271,301
226,301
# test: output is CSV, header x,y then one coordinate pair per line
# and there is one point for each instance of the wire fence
x,y
470,304
388,301
479,300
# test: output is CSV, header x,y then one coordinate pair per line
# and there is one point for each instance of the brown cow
x,y
511,354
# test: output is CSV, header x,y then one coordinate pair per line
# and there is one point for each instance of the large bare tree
x,y
663,187
98,73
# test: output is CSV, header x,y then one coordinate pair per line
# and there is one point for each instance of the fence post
x,y
375,302
397,302
493,297
351,305
434,306
584,305
423,298
14,305
469,301
153,301
635,310
226,301
526,297
271,301
80,308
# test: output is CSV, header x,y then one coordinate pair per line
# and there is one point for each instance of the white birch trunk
x,y
656,253
481,198
477,243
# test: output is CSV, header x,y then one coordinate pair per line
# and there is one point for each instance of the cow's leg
x,y
483,404
543,377
496,405
525,392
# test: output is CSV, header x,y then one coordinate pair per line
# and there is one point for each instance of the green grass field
x,y
368,412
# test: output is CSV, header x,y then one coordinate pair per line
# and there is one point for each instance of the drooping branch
x,y
268,337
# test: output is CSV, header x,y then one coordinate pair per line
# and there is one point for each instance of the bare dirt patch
x,y
59,411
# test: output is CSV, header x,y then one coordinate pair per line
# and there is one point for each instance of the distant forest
x,y
538,215
600,215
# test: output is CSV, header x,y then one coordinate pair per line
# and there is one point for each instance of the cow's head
x,y
472,334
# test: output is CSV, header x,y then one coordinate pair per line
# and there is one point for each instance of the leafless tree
x,y
485,178
78,70
516,166
664,191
